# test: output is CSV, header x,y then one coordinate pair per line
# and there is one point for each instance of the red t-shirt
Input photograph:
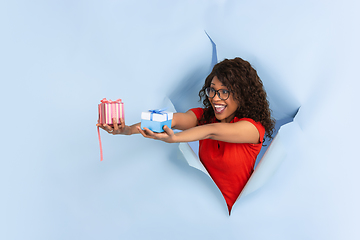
x,y
229,164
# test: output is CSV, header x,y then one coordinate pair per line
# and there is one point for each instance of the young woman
x,y
230,128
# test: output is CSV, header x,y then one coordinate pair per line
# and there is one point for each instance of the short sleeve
x,y
258,125
198,112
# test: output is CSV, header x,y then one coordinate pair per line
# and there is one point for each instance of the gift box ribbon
x,y
109,101
158,111
101,151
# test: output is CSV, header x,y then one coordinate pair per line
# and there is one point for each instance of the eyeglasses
x,y
223,94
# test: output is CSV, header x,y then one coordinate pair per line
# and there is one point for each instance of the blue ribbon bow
x,y
158,111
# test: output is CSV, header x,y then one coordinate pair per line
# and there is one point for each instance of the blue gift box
x,y
155,120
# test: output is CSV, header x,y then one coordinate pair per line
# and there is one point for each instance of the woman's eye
x,y
212,90
224,91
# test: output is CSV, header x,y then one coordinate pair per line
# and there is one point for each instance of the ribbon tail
x,y
101,152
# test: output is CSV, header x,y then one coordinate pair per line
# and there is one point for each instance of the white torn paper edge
x,y
192,158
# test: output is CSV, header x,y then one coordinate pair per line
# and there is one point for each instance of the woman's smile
x,y
219,108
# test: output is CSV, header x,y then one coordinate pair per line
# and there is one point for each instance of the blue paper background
x,y
60,58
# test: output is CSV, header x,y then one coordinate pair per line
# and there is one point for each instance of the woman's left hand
x,y
167,136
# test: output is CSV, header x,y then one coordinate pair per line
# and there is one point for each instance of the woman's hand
x,y
117,129
167,136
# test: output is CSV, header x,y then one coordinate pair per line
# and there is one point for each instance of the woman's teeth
x,y
219,108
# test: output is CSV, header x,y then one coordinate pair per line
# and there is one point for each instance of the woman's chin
x,y
220,117
223,117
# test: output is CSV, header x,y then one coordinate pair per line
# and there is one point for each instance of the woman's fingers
x,y
107,128
168,130
122,122
149,133
141,131
166,136
116,126
146,132
119,128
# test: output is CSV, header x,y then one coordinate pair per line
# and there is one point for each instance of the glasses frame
x,y
216,93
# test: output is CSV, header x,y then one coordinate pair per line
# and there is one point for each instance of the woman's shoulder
x,y
258,125
198,112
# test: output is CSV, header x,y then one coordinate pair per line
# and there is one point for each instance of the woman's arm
x,y
183,121
120,128
180,121
239,132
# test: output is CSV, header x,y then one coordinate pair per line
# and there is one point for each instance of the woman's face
x,y
224,109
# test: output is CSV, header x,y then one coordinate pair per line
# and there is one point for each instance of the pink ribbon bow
x,y
109,101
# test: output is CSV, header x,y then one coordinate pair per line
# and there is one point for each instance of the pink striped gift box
x,y
110,109
107,111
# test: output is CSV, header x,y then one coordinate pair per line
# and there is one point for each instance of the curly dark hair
x,y
247,89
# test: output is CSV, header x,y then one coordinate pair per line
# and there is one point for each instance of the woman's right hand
x,y
117,129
